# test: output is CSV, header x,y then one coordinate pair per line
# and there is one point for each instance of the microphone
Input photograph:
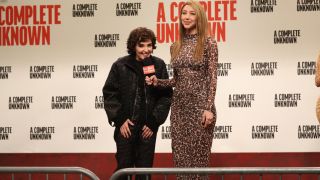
x,y
148,67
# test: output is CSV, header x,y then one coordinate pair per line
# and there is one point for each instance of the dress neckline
x,y
190,36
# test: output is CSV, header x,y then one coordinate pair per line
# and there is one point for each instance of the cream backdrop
x,y
249,41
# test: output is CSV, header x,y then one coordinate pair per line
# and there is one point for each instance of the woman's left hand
x,y
207,118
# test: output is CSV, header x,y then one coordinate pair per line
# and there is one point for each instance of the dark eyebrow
x,y
144,42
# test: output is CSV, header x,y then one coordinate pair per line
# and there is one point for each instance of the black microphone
x,y
148,67
148,70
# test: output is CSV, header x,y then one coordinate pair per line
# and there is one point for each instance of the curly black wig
x,y
140,34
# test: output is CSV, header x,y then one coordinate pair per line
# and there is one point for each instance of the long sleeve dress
x,y
195,88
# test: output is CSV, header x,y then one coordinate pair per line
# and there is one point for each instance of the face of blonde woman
x,y
143,50
188,19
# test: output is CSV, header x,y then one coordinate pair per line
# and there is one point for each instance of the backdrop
x,y
56,55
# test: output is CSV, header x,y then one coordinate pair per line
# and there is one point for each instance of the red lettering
x,y
42,15
214,11
35,33
34,36
175,17
167,32
218,30
28,13
14,36
35,19
5,35
45,35
160,34
23,36
9,15
232,10
56,14
18,17
225,9
46,14
172,16
161,14
209,11
1,21
217,10
170,32
204,4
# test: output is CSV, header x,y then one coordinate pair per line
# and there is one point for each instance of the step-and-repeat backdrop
x,y
56,55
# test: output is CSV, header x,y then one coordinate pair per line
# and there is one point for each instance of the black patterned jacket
x,y
121,92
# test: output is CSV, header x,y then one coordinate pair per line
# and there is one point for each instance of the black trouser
x,y
135,151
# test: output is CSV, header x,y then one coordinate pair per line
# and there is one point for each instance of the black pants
x,y
134,151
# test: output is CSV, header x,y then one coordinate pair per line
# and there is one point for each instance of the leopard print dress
x,y
194,91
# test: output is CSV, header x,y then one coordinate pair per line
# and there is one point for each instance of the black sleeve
x,y
111,95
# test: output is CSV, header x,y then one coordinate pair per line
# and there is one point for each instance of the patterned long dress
x,y
195,88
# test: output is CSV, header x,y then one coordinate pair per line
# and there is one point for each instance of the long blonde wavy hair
x,y
202,32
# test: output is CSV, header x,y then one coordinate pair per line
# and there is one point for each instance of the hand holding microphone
x,y
152,80
149,71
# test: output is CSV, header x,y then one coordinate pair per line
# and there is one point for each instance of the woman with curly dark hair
x,y
134,109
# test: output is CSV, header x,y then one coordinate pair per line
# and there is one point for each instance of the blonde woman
x,y
194,58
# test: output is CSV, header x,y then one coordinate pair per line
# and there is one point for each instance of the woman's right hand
x,y
152,80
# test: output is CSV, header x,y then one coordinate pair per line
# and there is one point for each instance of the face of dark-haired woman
x,y
143,50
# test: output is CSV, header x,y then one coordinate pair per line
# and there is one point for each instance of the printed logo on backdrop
x,y
106,40
241,100
84,10
286,36
99,102
218,12
128,8
308,131
287,100
264,131
263,68
222,132
262,6
41,133
5,71
85,132
41,72
20,102
84,71
308,5
306,68
223,69
63,102
28,25
166,132
5,132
